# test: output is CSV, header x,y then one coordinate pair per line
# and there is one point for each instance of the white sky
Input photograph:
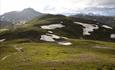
x,y
51,6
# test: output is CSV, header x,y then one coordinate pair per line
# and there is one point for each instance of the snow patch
x,y
112,36
49,37
65,43
64,37
2,40
105,26
52,26
52,37
50,32
88,27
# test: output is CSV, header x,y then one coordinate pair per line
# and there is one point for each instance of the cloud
x,y
53,6
106,3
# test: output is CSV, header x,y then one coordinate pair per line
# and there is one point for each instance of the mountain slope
x,y
109,20
56,42
102,11
82,54
18,16
61,26
5,24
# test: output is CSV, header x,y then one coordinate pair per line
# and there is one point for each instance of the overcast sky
x,y
52,6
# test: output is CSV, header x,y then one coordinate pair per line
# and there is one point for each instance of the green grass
x,y
82,55
39,55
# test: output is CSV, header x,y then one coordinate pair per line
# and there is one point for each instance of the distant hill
x,y
102,11
19,16
109,20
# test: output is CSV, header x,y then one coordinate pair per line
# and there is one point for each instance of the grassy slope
x,y
82,55
32,29
37,55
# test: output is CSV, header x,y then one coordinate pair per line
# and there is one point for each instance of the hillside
x,y
18,16
103,11
57,42
109,20
62,26
5,24
81,55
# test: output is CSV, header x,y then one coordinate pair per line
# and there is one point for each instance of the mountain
x,y
109,20
5,24
20,16
102,11
59,27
